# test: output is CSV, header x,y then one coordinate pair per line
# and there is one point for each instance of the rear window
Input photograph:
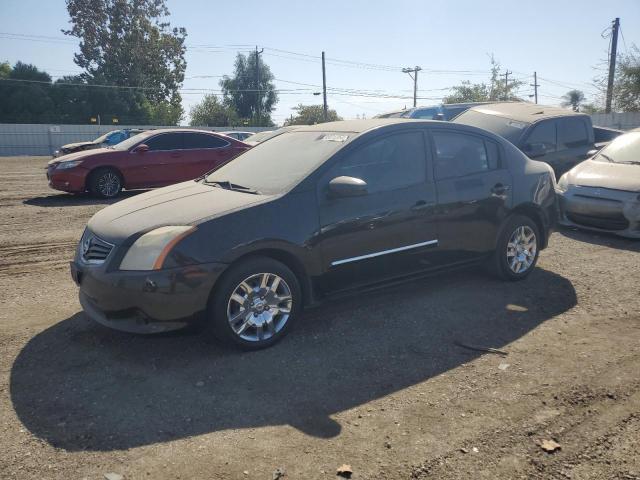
x,y
505,127
202,141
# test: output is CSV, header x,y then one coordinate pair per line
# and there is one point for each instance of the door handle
x,y
500,189
175,155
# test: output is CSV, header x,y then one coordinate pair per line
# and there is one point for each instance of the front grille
x,y
93,249
614,222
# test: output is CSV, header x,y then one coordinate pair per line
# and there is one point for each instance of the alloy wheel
x,y
259,307
109,184
521,249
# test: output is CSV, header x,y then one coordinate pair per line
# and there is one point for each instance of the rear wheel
x,y
517,248
255,304
105,183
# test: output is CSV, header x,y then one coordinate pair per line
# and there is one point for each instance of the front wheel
x,y
105,183
517,248
255,304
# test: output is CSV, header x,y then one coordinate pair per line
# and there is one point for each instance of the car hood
x,y
81,155
71,146
617,176
186,203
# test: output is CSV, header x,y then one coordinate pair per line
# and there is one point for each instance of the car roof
x,y
523,111
180,130
359,126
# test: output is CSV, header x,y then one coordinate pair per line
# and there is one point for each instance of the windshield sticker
x,y
332,137
518,125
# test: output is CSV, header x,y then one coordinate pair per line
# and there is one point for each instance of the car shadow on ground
x,y
600,238
80,386
77,200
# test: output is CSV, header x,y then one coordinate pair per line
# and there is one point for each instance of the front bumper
x,y
145,302
601,209
73,180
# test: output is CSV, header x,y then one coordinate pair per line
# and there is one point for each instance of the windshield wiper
x,y
227,185
631,162
607,157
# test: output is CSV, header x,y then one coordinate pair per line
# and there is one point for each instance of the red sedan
x,y
155,158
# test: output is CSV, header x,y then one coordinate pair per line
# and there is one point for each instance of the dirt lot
x,y
378,382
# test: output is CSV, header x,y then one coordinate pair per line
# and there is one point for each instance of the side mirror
x,y
535,150
140,148
347,187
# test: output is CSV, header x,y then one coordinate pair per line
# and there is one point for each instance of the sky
x,y
367,43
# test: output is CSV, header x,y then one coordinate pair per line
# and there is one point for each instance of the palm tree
x,y
574,99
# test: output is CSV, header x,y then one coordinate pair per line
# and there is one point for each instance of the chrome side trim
x,y
384,252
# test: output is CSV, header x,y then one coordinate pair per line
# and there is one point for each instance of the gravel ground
x,y
379,382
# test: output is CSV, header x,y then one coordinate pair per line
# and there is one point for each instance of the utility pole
x,y
324,90
535,85
258,89
612,63
415,81
506,84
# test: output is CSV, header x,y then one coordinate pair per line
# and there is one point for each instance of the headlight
x,y
563,183
150,250
67,165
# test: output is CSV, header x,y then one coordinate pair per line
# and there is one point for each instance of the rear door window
x,y
572,133
459,154
166,141
543,133
202,140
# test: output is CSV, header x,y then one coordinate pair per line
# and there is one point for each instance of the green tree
x,y
5,70
311,115
492,91
573,99
244,93
131,44
211,112
626,93
25,94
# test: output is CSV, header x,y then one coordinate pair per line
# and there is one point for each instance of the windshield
x,y
505,127
102,138
624,149
281,163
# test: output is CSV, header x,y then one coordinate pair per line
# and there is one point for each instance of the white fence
x,y
623,121
44,139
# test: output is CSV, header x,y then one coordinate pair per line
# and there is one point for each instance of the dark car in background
x,y
107,140
603,193
155,158
560,137
445,111
312,213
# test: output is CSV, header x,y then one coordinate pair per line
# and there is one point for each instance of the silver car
x,y
603,193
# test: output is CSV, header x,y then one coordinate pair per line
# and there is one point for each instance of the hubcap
x,y
109,184
521,249
259,307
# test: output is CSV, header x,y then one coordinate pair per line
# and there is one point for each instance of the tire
x,y
241,310
516,263
105,183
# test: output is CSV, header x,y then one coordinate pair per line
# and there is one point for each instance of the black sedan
x,y
312,213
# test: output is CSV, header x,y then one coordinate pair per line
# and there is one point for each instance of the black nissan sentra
x,y
311,213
